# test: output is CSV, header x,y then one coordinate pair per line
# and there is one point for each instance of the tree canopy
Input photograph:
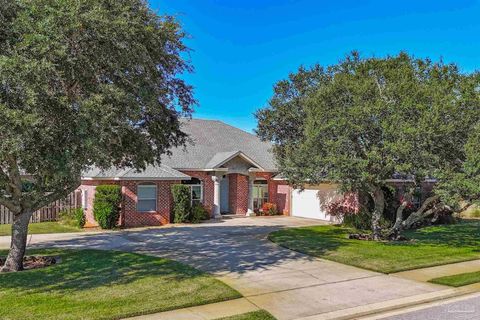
x,y
370,119
84,83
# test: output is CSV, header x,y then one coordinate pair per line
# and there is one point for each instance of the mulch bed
x,y
35,262
366,236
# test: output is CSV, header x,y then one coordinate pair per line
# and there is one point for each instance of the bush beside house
x,y
199,213
183,211
182,206
106,205
74,217
268,209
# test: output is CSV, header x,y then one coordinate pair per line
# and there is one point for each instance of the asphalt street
x,y
467,308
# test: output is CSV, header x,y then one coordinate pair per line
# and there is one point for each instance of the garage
x,y
310,202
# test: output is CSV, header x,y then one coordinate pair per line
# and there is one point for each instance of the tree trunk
x,y
415,217
18,244
397,227
379,201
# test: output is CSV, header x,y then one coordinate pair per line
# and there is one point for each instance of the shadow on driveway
x,y
213,247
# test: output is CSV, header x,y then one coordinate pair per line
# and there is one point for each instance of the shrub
x,y
80,218
199,213
106,205
74,217
346,211
269,209
182,207
361,220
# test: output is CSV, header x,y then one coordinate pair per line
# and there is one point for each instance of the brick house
x,y
228,170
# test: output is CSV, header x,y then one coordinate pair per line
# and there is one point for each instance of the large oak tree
x,y
364,120
83,83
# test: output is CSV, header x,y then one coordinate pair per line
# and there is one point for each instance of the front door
x,y
224,208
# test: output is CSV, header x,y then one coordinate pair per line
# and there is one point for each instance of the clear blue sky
x,y
241,48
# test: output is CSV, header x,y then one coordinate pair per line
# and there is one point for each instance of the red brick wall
x,y
238,193
129,216
132,218
282,196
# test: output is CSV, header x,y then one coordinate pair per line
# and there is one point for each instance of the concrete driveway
x,y
290,285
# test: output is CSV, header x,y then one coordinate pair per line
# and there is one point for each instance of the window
x,y
196,190
260,193
147,197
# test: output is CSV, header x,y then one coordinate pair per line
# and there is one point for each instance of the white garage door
x,y
310,202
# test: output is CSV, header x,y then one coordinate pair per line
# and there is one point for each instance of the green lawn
x,y
429,246
255,315
458,280
91,284
41,227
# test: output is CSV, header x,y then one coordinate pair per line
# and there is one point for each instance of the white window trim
x,y
156,196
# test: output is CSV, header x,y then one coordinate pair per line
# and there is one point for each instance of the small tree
x,y
368,119
182,208
106,205
83,83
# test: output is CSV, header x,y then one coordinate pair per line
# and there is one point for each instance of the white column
x,y
250,211
216,197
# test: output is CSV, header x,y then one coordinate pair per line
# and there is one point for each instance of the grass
x,y
428,246
458,280
39,228
255,315
91,284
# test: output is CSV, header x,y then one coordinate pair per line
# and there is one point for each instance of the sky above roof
x,y
241,48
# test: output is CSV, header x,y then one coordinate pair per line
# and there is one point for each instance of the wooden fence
x,y
47,213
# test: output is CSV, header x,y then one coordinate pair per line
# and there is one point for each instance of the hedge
x,y
182,207
106,205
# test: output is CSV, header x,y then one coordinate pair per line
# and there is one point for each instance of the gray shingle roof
x,y
212,143
161,172
212,139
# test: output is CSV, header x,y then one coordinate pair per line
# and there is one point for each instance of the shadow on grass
x,y
317,240
86,269
463,234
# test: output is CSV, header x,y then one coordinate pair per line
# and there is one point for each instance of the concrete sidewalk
x,y
426,274
205,312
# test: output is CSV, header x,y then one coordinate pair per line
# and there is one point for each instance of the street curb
x,y
215,310
395,304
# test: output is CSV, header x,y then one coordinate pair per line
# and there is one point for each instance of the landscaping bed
x,y
92,284
429,246
36,262
40,228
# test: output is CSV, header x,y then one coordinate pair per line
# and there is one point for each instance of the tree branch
x,y
8,203
421,213
46,199
15,180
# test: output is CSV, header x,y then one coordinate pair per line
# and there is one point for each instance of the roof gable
x,y
222,158
213,141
